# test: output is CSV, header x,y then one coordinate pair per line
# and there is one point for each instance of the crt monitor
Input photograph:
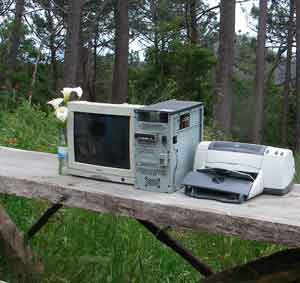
x,y
100,140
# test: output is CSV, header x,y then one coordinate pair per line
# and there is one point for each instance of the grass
x,y
82,246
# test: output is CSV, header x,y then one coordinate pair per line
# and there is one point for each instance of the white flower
x,y
55,102
67,92
62,113
78,91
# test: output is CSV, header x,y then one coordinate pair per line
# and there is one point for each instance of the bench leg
x,y
42,221
166,239
21,261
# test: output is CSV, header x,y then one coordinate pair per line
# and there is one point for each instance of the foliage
x,y
28,128
183,71
272,115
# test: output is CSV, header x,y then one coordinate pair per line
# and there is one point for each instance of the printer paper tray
x,y
221,186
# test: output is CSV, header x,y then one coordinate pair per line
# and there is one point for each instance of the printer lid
x,y
212,181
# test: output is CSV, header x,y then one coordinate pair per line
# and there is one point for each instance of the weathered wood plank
x,y
282,267
265,218
22,262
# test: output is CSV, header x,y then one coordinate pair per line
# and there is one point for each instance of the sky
x,y
243,9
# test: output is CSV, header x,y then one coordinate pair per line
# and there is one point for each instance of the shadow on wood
x,y
21,261
281,267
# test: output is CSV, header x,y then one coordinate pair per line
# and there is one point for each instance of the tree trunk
x,y
52,47
54,72
260,72
73,43
297,133
194,27
95,65
225,65
120,72
286,91
15,37
86,73
154,10
187,19
34,74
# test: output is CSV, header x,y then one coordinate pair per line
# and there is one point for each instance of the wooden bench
x,y
266,218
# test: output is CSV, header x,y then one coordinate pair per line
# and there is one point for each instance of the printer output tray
x,y
218,184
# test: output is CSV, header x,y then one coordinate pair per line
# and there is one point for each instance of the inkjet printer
x,y
235,172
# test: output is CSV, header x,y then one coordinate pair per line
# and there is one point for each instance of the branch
x,y
275,65
217,7
32,29
6,9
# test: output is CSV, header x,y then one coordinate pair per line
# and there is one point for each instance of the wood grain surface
x,y
267,218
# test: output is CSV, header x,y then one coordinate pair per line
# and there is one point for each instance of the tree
x,y
287,83
260,72
225,65
48,28
49,15
187,75
194,27
73,43
120,72
297,133
16,34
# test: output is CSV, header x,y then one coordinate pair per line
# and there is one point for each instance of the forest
x,y
148,51
141,52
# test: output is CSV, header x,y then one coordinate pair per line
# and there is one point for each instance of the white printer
x,y
235,172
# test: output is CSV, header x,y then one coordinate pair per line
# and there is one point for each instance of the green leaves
x,y
28,128
181,71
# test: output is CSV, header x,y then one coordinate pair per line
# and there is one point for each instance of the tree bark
x,y
154,10
95,65
286,91
260,72
34,74
120,72
187,19
73,43
15,37
225,65
52,47
297,133
194,27
86,73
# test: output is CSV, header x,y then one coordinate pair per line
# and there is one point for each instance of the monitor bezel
x,y
98,171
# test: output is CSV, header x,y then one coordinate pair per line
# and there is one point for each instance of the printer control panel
x,y
275,152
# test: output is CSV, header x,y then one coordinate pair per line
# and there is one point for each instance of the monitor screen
x,y
102,140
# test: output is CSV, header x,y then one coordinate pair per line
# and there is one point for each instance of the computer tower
x,y
166,138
